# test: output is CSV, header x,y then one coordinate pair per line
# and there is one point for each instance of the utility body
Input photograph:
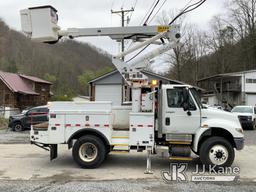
x,y
168,120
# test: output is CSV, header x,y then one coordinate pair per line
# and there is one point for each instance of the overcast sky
x,y
96,13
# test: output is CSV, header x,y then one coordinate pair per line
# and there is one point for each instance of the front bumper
x,y
247,124
239,143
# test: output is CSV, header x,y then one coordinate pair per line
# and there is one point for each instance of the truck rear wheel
x,y
89,152
217,152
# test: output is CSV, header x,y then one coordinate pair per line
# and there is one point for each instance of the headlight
x,y
240,130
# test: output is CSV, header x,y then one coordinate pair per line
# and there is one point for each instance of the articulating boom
x,y
40,24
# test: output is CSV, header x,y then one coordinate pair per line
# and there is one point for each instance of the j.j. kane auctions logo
x,y
178,172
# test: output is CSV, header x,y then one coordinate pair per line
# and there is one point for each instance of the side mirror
x,y
185,94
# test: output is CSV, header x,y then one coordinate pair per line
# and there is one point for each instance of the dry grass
x,y
3,123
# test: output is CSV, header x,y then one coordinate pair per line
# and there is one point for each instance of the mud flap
x,y
53,151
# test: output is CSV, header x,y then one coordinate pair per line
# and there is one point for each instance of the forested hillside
x,y
228,46
64,64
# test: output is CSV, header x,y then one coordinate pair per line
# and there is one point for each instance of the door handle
x,y
167,121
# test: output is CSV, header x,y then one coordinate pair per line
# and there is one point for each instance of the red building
x,y
21,91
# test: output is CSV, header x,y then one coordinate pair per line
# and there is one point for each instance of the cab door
x,y
175,119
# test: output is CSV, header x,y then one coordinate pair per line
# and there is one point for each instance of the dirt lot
x,y
24,167
9,137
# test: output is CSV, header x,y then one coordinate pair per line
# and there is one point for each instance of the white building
x,y
237,88
111,87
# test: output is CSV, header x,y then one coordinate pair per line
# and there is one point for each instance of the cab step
x,y
179,143
181,158
120,137
120,152
120,145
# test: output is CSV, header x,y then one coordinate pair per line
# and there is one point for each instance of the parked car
x,y
32,116
246,115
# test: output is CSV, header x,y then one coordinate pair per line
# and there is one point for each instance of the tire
x,y
89,152
17,127
213,152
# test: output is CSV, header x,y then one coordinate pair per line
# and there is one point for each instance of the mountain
x,y
61,63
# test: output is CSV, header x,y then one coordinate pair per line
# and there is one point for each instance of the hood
x,y
210,113
221,119
17,116
242,114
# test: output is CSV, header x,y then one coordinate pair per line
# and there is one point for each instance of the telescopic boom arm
x,y
40,24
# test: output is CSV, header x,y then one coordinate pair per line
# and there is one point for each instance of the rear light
x,y
52,116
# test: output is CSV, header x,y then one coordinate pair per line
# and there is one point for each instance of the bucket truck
x,y
168,120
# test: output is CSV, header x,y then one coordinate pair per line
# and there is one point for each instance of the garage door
x,y
109,93
251,99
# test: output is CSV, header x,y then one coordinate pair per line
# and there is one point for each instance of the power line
x,y
145,22
134,6
138,53
157,11
148,12
186,10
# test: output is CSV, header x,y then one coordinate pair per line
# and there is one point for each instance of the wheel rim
x,y
88,152
218,154
18,127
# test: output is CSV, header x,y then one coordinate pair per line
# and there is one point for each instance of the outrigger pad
x,y
53,151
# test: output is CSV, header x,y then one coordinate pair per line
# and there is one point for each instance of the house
x,y
238,88
112,87
21,91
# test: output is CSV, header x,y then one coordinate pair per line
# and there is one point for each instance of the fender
x,y
217,128
87,131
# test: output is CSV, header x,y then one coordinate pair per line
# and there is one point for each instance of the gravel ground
x,y
250,137
9,137
121,185
139,185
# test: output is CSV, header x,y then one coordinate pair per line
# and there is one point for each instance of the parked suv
x,y
246,115
32,116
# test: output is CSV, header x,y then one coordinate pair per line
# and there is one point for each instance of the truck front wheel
x,y
216,152
89,152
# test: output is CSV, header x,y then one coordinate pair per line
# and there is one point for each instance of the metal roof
x,y
16,83
144,72
227,74
35,79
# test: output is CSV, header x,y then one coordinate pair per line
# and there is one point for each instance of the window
x,y
175,99
7,97
254,110
43,110
240,109
250,80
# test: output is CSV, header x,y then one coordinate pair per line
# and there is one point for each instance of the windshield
x,y
196,97
242,109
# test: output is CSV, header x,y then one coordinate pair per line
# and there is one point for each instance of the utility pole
x,y
123,13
